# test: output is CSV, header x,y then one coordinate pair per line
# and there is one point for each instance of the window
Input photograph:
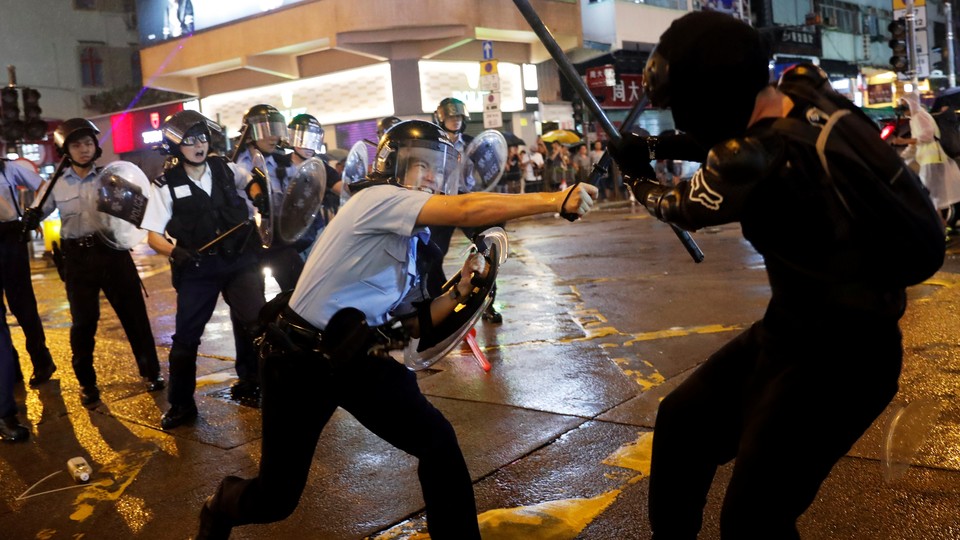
x,y
91,67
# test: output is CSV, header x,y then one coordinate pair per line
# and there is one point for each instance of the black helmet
x,y
386,123
705,46
419,144
305,131
183,124
264,121
70,130
451,107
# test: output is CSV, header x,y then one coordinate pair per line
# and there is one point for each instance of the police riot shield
x,y
354,169
265,224
486,159
122,196
301,200
428,349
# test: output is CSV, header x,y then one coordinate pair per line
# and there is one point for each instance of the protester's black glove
x,y
633,156
182,256
31,219
262,202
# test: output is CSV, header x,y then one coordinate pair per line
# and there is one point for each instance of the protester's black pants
x,y
786,406
299,395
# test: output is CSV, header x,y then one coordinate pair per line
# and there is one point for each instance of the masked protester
x,y
305,140
15,282
193,202
827,352
318,353
452,116
91,266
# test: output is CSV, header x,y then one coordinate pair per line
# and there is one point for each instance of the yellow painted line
x,y
119,474
682,332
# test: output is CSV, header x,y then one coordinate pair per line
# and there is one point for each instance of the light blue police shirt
x,y
15,175
365,258
245,160
76,198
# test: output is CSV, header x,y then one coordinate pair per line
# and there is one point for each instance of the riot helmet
x,y
449,108
186,128
384,124
418,155
708,69
71,130
265,123
305,132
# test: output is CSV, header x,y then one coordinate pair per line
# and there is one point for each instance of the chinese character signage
x,y
623,95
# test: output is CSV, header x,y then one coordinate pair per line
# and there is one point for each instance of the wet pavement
x,y
601,319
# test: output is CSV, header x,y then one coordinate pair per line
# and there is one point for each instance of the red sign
x,y
139,130
623,95
601,77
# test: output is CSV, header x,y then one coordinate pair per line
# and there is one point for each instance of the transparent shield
x,y
355,168
265,224
427,168
122,198
486,159
423,353
907,431
302,200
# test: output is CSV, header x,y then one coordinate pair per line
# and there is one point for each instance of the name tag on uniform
x,y
181,191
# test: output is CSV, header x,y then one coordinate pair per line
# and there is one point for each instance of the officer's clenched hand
x,y
31,219
578,200
262,202
633,156
182,256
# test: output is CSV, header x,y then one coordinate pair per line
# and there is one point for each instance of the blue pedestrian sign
x,y
488,50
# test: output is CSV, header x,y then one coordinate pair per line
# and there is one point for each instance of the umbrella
x,y
513,140
561,135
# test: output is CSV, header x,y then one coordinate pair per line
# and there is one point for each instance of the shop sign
x,y
133,131
623,95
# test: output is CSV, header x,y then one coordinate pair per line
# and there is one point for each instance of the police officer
x,y
384,124
90,266
10,428
827,352
15,282
305,140
266,130
452,116
317,354
194,202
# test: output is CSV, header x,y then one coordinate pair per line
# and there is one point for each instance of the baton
x,y
220,238
566,67
48,188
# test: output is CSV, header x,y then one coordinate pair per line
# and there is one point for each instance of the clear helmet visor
x,y
306,136
428,168
266,126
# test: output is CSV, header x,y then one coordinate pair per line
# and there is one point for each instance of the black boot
x,y
12,431
178,415
213,525
42,375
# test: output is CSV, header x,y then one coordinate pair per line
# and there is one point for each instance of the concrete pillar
x,y
405,75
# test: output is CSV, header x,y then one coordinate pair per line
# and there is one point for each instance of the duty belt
x,y
88,241
300,332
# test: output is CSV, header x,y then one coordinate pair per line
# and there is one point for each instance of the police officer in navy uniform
x,y
828,350
90,266
10,428
15,282
305,139
194,202
317,354
266,131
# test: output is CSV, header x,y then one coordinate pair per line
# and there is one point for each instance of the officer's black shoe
x,y
89,396
178,415
12,431
42,375
213,525
492,315
246,390
156,383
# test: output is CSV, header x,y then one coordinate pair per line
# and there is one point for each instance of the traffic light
x,y
898,45
34,126
10,111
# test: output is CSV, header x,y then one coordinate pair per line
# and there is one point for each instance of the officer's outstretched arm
x,y
482,208
717,192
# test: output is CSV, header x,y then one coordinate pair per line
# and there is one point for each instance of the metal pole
x,y
951,68
912,44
